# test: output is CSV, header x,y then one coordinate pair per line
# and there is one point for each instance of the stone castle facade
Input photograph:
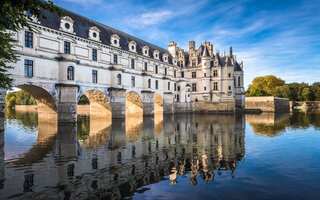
x,y
63,58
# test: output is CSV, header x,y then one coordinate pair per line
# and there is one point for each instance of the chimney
x,y
192,45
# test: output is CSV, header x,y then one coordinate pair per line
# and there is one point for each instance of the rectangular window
x,y
145,66
94,54
182,74
178,88
156,69
168,85
215,86
28,68
229,75
239,81
204,75
205,88
229,87
28,39
174,73
194,74
115,59
132,63
67,47
215,73
175,86
178,99
94,76
156,84
165,71
194,87
133,81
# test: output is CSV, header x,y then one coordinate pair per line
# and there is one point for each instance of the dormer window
x,y
94,33
156,54
115,40
145,50
66,24
165,57
132,46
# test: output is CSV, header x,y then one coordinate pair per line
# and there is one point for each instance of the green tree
x,y
306,94
315,87
281,91
12,102
14,15
265,85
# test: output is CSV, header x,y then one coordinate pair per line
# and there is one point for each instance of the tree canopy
x,y
14,15
273,86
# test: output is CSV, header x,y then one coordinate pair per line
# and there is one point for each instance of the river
x,y
190,156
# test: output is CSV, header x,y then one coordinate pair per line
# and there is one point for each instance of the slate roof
x,y
81,28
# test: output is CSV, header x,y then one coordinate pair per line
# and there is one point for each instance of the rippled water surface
x,y
266,156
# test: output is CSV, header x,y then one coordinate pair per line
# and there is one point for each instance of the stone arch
x,y
158,104
134,104
46,104
99,103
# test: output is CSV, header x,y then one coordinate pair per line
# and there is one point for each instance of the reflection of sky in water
x,y
18,138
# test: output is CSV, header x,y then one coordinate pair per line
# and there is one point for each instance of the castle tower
x,y
205,58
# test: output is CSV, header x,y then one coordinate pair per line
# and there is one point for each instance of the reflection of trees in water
x,y
29,119
83,127
269,130
295,121
304,120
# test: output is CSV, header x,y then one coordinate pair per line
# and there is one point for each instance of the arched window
x,y
70,74
119,79
149,83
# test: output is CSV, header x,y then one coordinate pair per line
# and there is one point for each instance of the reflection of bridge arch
x,y
158,104
133,104
46,104
133,127
99,103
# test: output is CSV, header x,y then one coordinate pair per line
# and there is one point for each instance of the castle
x,y
65,57
215,80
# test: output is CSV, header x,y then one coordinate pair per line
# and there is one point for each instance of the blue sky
x,y
271,37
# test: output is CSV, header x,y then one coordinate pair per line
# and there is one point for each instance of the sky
x,y
281,37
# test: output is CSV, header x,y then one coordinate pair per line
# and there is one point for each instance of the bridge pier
x,y
118,102
168,106
147,102
67,102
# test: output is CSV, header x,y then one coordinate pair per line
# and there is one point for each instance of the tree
x,y
12,102
315,87
281,91
14,15
265,85
306,94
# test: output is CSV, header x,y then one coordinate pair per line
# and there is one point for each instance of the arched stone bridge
x,y
59,100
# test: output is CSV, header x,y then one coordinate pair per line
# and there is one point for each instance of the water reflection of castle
x,y
112,160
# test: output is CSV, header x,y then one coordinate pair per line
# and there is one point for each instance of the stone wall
x,y
183,107
228,106
311,106
266,104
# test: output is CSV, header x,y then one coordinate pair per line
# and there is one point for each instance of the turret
x,y
172,46
205,58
